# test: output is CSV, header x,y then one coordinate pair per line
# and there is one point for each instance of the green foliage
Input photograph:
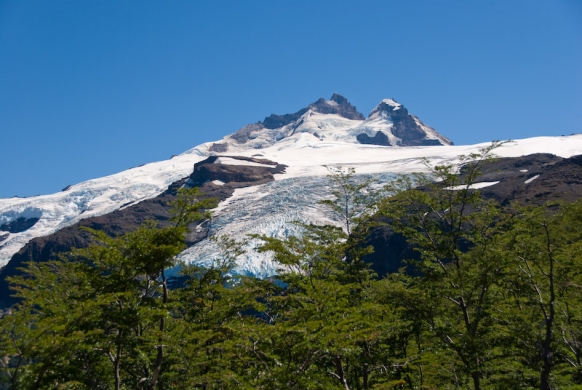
x,y
545,246
353,201
96,318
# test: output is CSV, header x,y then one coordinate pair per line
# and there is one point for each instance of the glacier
x,y
271,210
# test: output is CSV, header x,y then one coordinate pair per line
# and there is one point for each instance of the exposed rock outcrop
x,y
18,225
245,133
379,139
211,169
338,105
218,147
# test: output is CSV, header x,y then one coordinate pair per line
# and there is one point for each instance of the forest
x,y
492,299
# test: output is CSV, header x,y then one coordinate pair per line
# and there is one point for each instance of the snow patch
x,y
523,170
90,198
235,161
474,186
393,103
531,179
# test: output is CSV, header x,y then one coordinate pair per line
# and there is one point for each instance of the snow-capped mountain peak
x,y
385,106
336,120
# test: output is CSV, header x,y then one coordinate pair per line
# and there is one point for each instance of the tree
x,y
325,328
90,318
455,232
545,244
325,331
354,202
213,321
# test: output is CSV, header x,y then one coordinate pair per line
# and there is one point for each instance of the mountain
x,y
336,120
266,175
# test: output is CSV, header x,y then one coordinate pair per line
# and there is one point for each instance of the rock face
x,y
215,180
528,180
218,148
212,169
379,139
534,179
245,133
406,127
338,105
18,225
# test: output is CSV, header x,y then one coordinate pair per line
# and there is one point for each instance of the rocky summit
x,y
336,119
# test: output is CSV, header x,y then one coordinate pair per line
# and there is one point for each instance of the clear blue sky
x,y
90,88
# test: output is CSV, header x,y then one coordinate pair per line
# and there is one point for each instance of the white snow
x,y
90,198
474,186
269,209
523,170
392,102
531,179
235,161
218,182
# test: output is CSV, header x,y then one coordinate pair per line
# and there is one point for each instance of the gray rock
x,y
379,139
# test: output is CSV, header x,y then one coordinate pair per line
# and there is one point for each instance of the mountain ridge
x,y
388,124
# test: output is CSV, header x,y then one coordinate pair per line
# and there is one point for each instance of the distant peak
x,y
338,105
387,106
339,99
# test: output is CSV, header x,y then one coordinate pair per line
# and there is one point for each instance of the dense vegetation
x,y
493,301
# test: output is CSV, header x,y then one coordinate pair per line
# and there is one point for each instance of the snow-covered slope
x,y
266,208
87,199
